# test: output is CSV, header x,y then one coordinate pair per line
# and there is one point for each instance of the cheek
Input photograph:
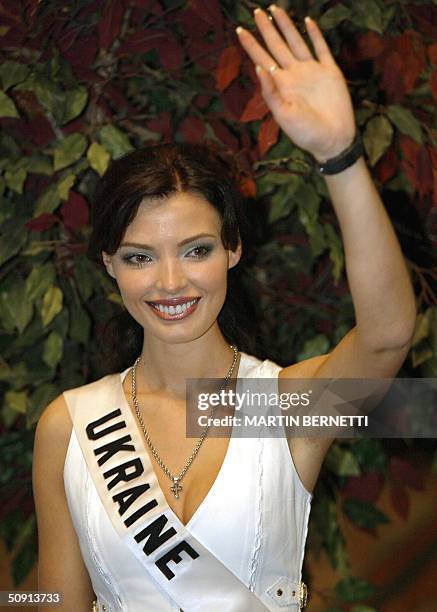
x,y
210,276
132,282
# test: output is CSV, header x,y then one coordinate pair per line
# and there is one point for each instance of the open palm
x,y
308,97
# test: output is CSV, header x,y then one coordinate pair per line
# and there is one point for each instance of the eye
x,y
199,252
137,259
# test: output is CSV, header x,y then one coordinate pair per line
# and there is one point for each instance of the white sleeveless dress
x,y
254,519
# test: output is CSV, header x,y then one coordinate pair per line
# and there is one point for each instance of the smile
x,y
176,312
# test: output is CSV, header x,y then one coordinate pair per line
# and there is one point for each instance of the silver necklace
x,y
176,487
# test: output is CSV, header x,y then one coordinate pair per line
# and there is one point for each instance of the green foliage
x,y
363,514
7,106
353,589
80,90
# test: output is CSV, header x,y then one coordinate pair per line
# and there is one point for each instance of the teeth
x,y
171,310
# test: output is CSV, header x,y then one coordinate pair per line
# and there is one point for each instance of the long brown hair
x,y
159,171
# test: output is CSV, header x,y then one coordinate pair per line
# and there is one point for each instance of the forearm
x,y
380,285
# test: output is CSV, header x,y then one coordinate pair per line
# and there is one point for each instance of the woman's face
x,y
171,267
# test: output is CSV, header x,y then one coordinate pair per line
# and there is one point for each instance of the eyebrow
x,y
147,247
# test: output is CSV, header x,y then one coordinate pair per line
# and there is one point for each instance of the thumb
x,y
269,90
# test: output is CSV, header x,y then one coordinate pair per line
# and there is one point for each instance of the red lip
x,y
174,301
173,317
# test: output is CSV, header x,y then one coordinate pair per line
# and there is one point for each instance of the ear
x,y
234,256
107,260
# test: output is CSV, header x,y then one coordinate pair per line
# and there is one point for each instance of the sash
x,y
120,466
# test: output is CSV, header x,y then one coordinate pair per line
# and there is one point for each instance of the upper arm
x,y
354,358
60,564
351,358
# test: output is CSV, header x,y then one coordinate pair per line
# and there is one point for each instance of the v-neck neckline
x,y
226,459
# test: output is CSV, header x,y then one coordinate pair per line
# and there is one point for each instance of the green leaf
x,y
283,201
362,115
12,73
115,141
69,151
15,179
98,157
39,399
363,514
422,326
368,15
16,401
6,314
5,370
429,367
339,556
370,454
48,202
51,305
242,15
317,240
9,150
318,345
80,324
352,589
39,280
16,306
307,205
377,137
335,251
75,102
49,94
14,236
342,462
333,16
39,164
64,186
115,298
25,557
84,273
7,106
420,354
52,352
405,122
361,608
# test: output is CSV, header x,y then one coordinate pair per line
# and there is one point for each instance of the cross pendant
x,y
176,487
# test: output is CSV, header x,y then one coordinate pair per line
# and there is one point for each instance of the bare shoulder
x,y
52,436
54,425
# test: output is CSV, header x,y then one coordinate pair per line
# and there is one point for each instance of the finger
x,y
257,54
274,41
321,48
292,35
269,90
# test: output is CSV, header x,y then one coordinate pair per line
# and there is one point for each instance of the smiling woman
x,y
147,518
188,189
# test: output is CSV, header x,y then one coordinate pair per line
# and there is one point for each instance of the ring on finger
x,y
272,68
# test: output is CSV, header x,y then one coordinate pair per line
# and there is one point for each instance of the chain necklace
x,y
176,487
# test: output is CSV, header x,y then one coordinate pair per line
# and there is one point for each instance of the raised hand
x,y
308,97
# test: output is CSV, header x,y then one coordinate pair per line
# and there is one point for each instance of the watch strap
x,y
344,159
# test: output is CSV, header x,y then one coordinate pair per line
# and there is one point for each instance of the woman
x,y
143,517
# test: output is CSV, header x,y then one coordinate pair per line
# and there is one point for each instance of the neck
x,y
165,367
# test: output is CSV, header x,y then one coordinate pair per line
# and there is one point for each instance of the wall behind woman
x,y
86,82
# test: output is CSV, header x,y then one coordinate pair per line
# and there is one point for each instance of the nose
x,y
171,277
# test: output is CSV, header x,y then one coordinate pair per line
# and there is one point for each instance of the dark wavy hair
x,y
160,171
